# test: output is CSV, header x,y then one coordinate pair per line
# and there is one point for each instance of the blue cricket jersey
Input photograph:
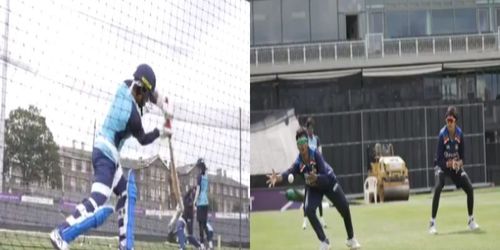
x,y
122,121
203,195
317,164
449,148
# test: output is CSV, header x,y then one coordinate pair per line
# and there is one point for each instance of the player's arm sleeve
x,y
135,124
440,153
323,172
294,169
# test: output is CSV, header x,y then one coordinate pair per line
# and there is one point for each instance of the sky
x,y
68,58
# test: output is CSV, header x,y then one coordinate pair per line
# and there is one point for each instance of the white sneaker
x,y
210,245
472,224
323,222
353,243
432,228
57,241
304,224
202,246
324,245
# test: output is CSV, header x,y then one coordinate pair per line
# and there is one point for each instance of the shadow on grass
x,y
465,231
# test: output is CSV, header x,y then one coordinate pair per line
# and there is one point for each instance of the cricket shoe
x,y
324,245
353,243
432,227
472,224
57,241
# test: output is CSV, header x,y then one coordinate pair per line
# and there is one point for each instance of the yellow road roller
x,y
391,173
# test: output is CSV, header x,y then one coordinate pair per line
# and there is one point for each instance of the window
x,y
417,21
465,21
449,88
498,20
466,87
73,165
484,20
84,166
397,24
84,186
376,22
295,21
442,22
324,24
266,21
72,183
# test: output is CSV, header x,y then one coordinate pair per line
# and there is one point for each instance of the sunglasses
x,y
450,120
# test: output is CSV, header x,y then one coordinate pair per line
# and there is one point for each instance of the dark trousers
x,y
336,195
461,180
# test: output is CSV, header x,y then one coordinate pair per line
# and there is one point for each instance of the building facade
x,y
299,21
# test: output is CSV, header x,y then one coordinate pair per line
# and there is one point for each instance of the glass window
x,y
417,23
376,22
396,23
267,21
465,21
449,89
251,23
442,22
466,87
498,20
490,85
484,20
324,23
296,21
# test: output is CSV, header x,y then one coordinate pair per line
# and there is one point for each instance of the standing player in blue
x,y
122,121
449,162
201,201
314,144
320,180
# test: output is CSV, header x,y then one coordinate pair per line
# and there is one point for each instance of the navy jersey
x,y
122,121
316,164
449,148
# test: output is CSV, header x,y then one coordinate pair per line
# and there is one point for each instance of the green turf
x,y
395,225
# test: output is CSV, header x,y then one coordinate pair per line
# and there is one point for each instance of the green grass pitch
x,y
393,225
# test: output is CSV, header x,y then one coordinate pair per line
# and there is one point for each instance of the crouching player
x,y
449,162
320,180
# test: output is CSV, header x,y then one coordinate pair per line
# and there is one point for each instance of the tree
x,y
30,146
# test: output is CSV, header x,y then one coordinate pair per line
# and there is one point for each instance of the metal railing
x,y
374,46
